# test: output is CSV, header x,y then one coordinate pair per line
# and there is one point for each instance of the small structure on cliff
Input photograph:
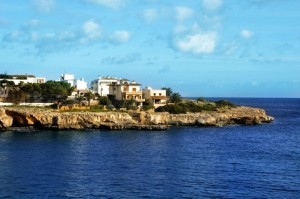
x,y
157,97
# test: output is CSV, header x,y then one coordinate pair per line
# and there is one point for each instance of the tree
x,y
16,95
89,96
33,92
5,87
201,99
169,91
79,98
175,98
56,91
103,100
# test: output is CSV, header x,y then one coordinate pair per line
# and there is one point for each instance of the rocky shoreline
x,y
12,118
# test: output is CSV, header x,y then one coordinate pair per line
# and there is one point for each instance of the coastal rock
x,y
5,120
47,118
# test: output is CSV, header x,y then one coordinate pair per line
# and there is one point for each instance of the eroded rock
x,y
47,118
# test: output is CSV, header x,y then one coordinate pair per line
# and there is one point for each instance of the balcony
x,y
135,95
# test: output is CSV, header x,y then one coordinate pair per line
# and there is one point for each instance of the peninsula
x,y
110,103
139,120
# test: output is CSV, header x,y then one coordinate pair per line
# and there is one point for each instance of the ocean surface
x,y
260,161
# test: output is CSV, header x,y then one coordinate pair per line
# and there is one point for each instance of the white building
x,y
101,85
157,96
17,79
79,84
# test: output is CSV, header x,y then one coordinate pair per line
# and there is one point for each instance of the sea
x,y
261,161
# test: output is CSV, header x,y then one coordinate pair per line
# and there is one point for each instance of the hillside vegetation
x,y
196,106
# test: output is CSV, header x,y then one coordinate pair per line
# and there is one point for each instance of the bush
x,y
68,102
208,107
224,104
191,107
173,109
147,107
127,104
96,107
201,99
103,100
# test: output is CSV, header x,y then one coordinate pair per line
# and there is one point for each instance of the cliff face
x,y
24,117
5,120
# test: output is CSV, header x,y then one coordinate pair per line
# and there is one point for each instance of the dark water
x,y
231,162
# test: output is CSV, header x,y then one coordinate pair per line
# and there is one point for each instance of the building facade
x,y
127,90
79,84
17,79
158,97
102,84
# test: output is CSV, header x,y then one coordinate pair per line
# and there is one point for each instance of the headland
x,y
42,118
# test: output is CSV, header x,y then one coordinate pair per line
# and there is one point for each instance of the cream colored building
x,y
157,97
127,90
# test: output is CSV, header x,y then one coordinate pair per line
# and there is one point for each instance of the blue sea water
x,y
260,161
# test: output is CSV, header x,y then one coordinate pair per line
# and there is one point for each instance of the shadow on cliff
x,y
23,120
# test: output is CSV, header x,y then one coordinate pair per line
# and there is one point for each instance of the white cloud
x,y
108,3
231,48
182,13
197,43
92,31
44,5
212,4
34,36
214,22
12,36
33,23
121,36
67,36
150,14
49,42
180,28
246,34
130,58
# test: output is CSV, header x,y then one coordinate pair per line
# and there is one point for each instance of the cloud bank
x,y
197,43
44,5
108,3
246,34
212,4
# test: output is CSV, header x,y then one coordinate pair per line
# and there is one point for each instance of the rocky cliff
x,y
47,118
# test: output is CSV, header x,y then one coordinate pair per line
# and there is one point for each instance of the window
x,y
154,94
159,94
134,89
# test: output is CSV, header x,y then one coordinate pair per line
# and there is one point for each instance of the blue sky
x,y
222,48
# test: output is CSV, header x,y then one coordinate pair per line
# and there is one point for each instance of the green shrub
x,y
201,99
208,107
103,100
173,109
224,104
193,107
97,107
147,107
